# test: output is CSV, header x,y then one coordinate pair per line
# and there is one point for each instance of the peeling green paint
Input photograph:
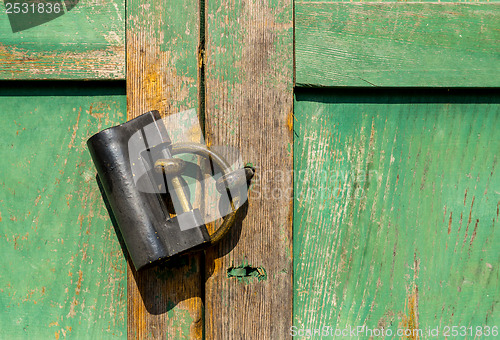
x,y
182,327
245,272
62,272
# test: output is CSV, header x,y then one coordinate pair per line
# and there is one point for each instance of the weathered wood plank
x,y
249,78
389,1
162,73
87,42
397,44
396,211
62,271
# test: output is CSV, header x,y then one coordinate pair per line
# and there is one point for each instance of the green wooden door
x,y
230,60
63,273
396,182
396,192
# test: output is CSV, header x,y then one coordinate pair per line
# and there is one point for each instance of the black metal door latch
x,y
142,182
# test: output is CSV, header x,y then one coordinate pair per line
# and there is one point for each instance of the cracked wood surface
x,y
62,272
249,78
396,209
162,74
249,101
87,42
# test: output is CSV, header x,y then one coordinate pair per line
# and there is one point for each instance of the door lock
x,y
141,176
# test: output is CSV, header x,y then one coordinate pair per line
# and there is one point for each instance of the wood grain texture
x,y
87,42
162,73
389,1
249,78
397,44
62,272
396,211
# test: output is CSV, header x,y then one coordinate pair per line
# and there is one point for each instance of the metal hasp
x,y
139,174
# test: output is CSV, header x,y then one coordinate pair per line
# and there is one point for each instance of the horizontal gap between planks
x,y
398,95
62,87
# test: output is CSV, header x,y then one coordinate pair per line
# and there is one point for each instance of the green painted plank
x,y
62,272
397,44
396,211
383,1
249,105
87,42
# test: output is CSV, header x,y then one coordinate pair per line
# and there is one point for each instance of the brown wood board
x,y
249,105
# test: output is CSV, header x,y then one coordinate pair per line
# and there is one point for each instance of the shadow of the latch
x,y
166,285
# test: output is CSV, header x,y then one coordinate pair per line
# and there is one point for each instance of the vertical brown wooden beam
x,y
249,81
162,74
